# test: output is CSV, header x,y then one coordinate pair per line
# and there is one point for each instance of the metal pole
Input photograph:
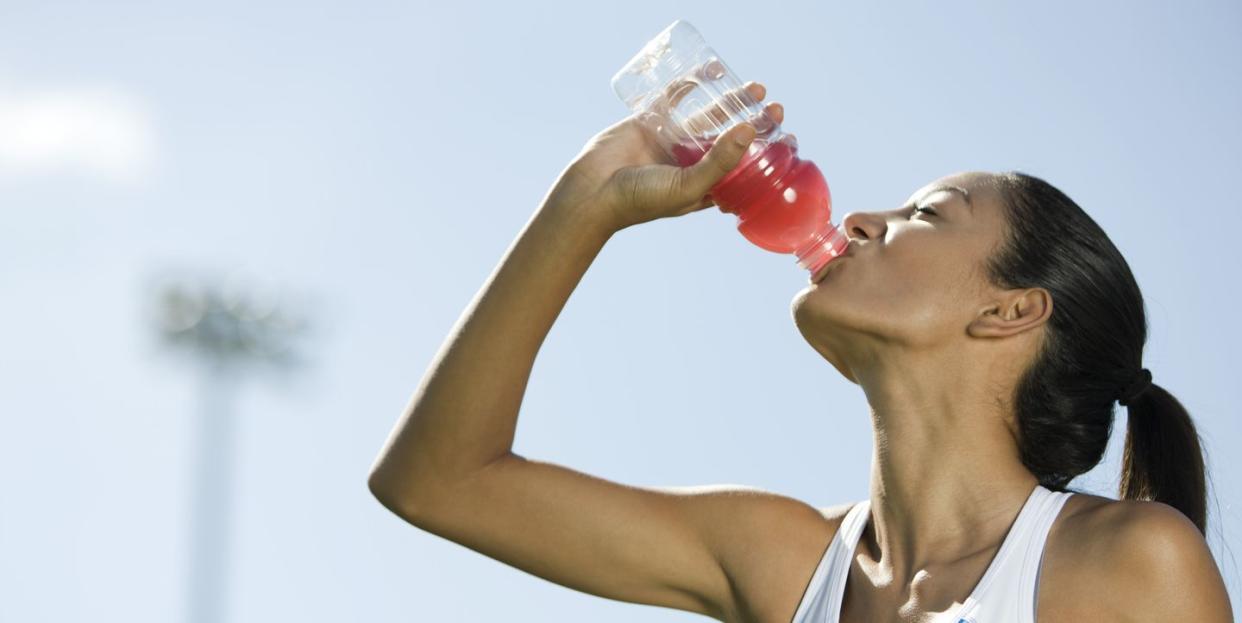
x,y
212,501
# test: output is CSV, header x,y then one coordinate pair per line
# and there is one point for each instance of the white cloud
x,y
99,132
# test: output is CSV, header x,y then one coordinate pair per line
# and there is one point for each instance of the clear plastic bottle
x,y
685,94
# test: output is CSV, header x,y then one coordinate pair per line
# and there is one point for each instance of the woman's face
x,y
913,276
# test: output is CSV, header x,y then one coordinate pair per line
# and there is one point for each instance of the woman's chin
x,y
799,299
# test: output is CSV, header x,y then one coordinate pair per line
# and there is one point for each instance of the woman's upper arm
x,y
663,546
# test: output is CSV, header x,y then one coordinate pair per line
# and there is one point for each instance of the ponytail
x,y
1163,459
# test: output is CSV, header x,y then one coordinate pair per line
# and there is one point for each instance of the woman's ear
x,y
1013,312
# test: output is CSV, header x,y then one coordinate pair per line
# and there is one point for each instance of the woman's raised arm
x,y
448,465
463,414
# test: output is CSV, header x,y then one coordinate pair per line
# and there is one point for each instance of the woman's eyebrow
x,y
962,191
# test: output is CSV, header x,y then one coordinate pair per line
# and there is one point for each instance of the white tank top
x,y
1006,593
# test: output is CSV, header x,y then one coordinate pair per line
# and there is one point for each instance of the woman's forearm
x,y
464,412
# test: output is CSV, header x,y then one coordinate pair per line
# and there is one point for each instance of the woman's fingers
x,y
710,112
756,90
733,107
776,111
730,105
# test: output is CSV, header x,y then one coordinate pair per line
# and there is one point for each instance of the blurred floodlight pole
x,y
227,333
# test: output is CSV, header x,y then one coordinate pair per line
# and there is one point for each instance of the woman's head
x,y
914,285
1002,277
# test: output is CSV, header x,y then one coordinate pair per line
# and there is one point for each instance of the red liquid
x,y
781,201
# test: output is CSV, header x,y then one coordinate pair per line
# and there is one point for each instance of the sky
x,y
366,164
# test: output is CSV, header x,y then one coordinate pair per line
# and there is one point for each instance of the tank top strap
x,y
1007,590
1033,557
854,522
821,601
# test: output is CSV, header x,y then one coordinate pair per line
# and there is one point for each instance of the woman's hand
x,y
624,177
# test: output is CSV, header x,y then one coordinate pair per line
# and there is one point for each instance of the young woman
x,y
991,324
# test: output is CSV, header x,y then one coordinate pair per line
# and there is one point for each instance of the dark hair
x,y
1092,349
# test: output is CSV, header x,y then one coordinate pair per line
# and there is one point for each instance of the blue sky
x,y
372,161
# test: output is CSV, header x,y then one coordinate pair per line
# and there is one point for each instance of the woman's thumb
x,y
724,154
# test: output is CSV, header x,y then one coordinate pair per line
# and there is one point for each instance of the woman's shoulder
x,y
1115,556
771,571
1099,528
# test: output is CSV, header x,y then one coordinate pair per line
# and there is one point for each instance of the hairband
x,y
1140,384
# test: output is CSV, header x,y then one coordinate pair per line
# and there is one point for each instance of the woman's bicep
x,y
656,546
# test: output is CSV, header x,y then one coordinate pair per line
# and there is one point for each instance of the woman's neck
x,y
946,480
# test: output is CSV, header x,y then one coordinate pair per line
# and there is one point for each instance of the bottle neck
x,y
825,246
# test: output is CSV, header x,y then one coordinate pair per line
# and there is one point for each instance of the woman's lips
x,y
818,276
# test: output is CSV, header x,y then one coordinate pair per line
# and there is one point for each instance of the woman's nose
x,y
864,225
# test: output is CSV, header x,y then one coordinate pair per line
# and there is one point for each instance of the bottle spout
x,y
823,248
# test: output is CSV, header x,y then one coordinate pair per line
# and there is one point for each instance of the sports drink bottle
x,y
687,97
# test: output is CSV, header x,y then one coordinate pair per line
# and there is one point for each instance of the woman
x,y
990,323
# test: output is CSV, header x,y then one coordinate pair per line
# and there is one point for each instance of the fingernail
x,y
745,135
